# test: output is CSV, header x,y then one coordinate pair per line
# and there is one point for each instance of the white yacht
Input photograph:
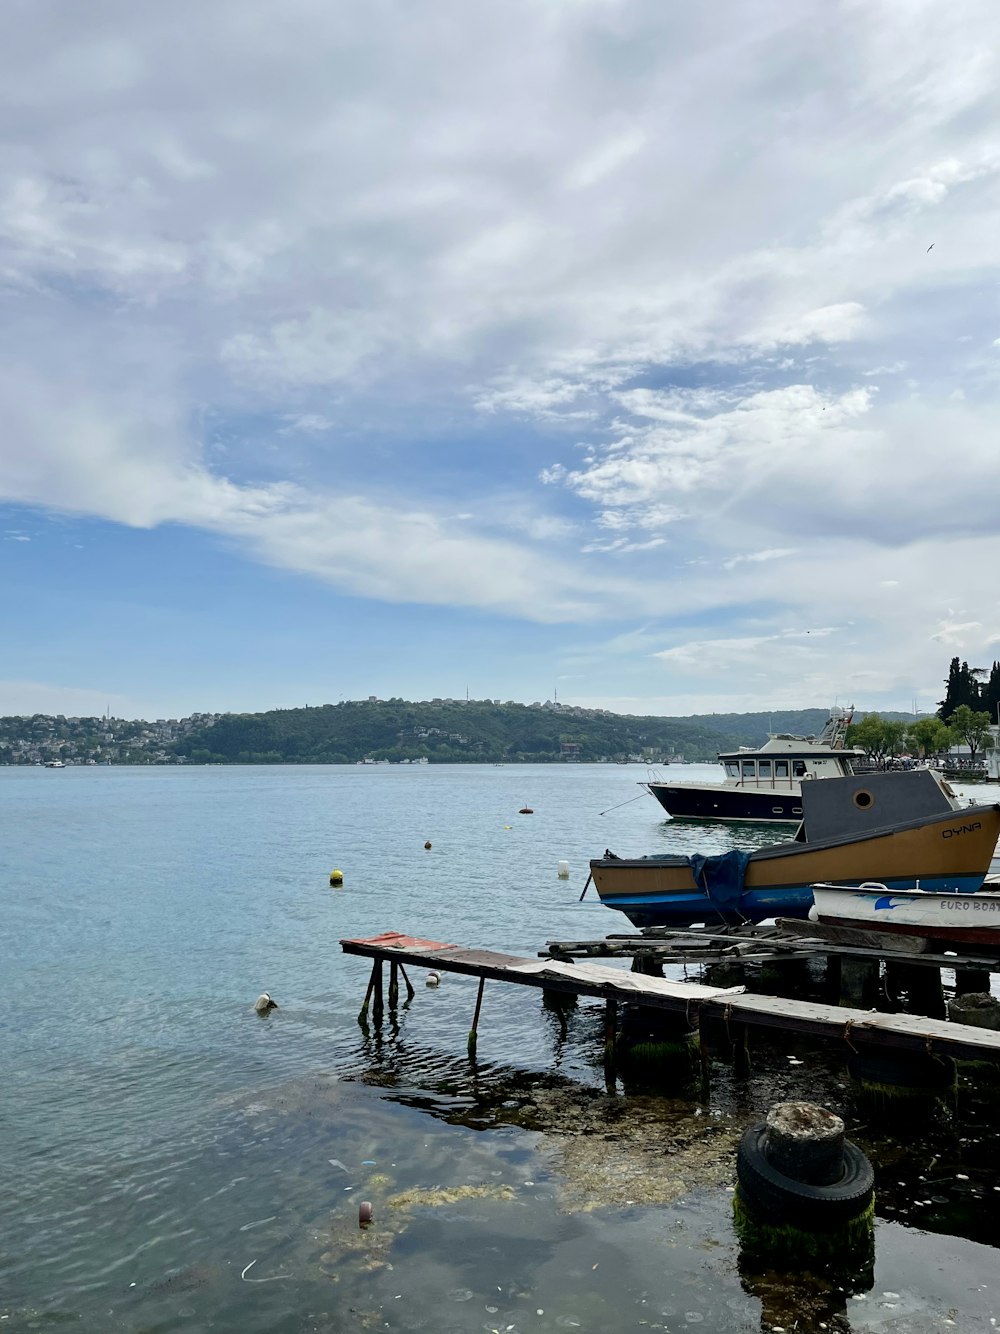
x,y
764,784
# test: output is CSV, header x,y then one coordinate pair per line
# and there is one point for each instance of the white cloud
x,y
308,423
772,553
828,324
622,546
957,634
715,656
605,159
745,442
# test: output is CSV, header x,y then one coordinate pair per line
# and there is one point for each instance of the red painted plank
x,y
397,941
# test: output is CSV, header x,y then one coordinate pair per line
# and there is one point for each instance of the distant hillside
x,y
478,731
439,731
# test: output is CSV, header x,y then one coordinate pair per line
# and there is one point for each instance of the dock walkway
x,y
616,985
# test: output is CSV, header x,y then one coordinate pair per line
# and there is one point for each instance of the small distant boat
x,y
902,829
54,764
764,784
966,919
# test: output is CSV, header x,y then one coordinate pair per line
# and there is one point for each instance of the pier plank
x,y
850,935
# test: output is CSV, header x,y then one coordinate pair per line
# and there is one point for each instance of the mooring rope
x,y
621,804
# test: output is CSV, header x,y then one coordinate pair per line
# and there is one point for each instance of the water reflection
x,y
803,1301
939,1178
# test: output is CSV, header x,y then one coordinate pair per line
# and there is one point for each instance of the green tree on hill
x,y
962,687
971,729
989,700
929,736
880,738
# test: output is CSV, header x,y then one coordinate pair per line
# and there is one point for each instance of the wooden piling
x,y
920,988
363,1015
393,984
473,1031
858,983
377,1008
610,1034
703,1057
741,1052
971,981
410,993
648,965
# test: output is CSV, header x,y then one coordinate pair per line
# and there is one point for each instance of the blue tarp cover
x,y
722,875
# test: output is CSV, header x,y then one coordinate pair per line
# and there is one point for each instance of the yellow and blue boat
x,y
905,830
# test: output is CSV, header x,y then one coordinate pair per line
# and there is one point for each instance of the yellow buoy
x,y
336,876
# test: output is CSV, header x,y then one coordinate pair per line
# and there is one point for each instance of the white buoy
x,y
433,980
264,1004
563,870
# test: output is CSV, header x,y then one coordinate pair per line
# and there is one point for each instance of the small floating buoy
x,y
433,979
336,876
264,1004
364,1213
427,845
562,870
526,810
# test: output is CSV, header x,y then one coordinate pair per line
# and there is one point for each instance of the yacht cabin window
x,y
764,769
781,768
749,769
799,768
732,769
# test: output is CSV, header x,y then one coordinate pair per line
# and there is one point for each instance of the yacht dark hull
x,y
688,802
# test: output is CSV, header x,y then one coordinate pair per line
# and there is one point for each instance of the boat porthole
x,y
796,810
776,810
863,800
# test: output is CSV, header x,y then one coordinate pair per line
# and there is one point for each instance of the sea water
x,y
171,1160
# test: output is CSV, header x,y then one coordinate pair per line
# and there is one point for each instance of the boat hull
x,y
683,801
948,853
964,919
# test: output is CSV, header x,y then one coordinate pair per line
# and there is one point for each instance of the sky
x,y
641,354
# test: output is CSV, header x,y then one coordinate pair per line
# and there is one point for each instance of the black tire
x,y
776,1198
911,1070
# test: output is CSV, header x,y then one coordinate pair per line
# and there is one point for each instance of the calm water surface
x,y
171,1161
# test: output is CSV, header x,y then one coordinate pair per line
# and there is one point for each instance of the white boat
x,y
764,784
54,764
966,919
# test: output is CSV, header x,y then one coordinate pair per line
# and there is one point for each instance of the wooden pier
x,y
693,1000
785,941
